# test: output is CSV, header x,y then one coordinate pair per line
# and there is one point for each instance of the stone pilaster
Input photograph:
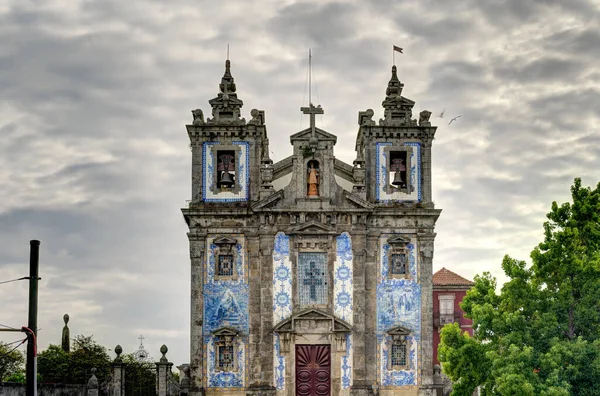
x,y
197,256
365,311
426,251
92,385
265,288
426,169
196,146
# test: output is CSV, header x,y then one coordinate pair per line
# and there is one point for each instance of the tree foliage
x,y
58,366
541,334
11,362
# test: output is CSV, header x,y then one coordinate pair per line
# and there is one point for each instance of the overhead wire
x,y
18,345
14,280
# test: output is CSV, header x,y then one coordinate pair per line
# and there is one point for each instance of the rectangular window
x,y
399,264
225,265
225,169
225,356
398,354
446,307
398,169
312,278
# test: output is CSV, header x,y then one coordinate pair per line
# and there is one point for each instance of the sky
x,y
94,156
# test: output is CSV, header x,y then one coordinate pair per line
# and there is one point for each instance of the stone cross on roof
x,y
312,111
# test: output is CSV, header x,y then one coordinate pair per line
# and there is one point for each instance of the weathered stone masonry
x,y
311,288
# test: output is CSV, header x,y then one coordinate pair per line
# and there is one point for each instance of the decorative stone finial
x,y
226,106
93,381
118,351
395,85
164,350
366,117
198,117
397,109
424,118
258,117
66,335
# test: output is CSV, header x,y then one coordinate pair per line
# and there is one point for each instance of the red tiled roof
x,y
446,277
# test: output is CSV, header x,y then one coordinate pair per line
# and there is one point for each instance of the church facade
x,y
311,276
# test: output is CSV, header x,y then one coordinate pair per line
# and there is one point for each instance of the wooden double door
x,y
313,370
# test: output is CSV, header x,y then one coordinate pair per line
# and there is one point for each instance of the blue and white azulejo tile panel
x,y
398,304
382,174
226,379
278,364
226,305
398,377
342,281
282,300
282,278
242,174
343,298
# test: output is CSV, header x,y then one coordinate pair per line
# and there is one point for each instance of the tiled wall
x,y
226,305
398,304
282,300
342,298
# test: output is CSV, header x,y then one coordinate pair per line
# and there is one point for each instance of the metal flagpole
x,y
309,77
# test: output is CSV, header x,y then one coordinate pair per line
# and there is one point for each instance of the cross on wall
x,y
313,279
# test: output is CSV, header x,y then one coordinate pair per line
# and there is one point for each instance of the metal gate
x,y
140,378
313,370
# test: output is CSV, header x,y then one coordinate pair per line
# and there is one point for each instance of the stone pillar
x,y
359,365
118,374
197,256
438,381
426,250
66,335
163,369
426,168
261,313
92,385
196,146
184,379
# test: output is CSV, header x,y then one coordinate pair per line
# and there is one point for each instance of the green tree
x,y
541,334
11,361
58,366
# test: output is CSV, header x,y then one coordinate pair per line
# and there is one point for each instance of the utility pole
x,y
31,368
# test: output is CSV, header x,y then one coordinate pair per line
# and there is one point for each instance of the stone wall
x,y
13,389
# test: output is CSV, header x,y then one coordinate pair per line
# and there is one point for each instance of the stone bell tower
x,y
310,276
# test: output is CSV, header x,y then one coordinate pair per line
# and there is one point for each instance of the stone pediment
x,y
311,228
269,201
225,331
225,241
399,331
398,240
307,133
317,319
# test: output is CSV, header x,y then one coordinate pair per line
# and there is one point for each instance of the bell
x,y
226,180
397,179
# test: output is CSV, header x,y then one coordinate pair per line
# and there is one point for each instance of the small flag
x,y
396,48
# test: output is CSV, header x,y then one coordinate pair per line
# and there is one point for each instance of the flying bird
x,y
442,114
455,118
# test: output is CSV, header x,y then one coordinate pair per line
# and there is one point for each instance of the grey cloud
x,y
541,70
